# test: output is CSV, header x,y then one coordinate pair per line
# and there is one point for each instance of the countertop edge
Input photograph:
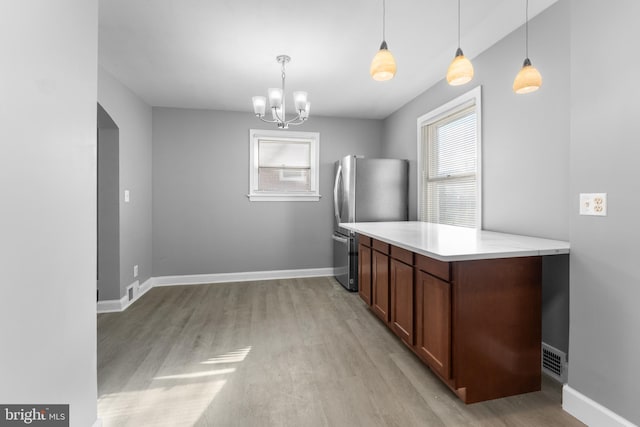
x,y
510,253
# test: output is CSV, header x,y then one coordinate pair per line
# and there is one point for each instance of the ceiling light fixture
x,y
528,79
460,70
277,103
383,66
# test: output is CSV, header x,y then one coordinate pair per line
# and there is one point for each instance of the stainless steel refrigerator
x,y
365,190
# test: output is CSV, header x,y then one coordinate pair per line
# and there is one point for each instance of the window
x,y
449,160
283,166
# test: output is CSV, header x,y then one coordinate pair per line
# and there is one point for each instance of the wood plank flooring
x,y
295,352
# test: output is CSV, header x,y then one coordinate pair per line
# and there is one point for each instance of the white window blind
x,y
450,184
284,166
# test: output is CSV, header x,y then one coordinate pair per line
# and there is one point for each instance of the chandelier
x,y
277,103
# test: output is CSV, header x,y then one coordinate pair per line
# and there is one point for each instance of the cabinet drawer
x,y
380,246
434,267
402,255
365,240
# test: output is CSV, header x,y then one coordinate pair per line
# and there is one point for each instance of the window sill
x,y
284,197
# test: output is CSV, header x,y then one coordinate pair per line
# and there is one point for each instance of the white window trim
x,y
256,135
473,97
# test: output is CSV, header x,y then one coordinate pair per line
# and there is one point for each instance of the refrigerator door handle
x,y
336,186
340,239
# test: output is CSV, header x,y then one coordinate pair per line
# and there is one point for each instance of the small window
x,y
449,163
283,166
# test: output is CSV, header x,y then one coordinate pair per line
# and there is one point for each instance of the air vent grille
x,y
554,362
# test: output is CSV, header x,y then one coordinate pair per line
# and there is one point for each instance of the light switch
x,y
126,196
593,204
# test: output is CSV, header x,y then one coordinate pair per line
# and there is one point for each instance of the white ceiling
x,y
216,54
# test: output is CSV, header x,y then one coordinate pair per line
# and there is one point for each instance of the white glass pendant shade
x,y
528,79
383,66
460,70
275,97
259,104
300,100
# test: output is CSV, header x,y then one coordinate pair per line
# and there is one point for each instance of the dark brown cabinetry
x,y
380,280
402,294
433,322
475,323
364,269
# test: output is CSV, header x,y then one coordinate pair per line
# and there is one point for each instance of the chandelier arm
x,y
292,121
267,121
275,113
296,123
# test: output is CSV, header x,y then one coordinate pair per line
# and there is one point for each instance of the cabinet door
x,y
364,273
402,300
433,322
380,285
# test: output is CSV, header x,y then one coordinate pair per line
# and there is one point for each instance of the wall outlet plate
x,y
594,204
135,270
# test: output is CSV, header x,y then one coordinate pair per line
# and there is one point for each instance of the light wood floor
x,y
297,352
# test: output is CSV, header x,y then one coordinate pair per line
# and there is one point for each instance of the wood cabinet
x,y
380,281
364,269
402,294
433,322
475,323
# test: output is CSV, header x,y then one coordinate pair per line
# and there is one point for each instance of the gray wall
x,y
133,118
48,207
108,208
203,222
525,147
605,319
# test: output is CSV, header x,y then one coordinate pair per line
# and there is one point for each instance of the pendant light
x,y
383,66
460,70
528,79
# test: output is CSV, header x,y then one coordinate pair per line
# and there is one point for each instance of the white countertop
x,y
449,243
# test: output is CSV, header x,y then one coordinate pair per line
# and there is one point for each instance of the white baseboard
x,y
115,306
199,279
589,411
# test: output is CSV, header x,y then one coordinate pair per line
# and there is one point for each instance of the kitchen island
x,y
467,302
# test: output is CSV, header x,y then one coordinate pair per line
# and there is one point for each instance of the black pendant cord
x,y
384,13
526,29
458,24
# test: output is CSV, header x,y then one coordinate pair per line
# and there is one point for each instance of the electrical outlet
x,y
135,270
593,204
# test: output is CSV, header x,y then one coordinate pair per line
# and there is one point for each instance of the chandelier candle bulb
x,y
259,105
275,97
304,115
300,100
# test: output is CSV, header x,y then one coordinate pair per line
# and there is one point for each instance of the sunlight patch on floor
x,y
178,399
231,357
197,374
